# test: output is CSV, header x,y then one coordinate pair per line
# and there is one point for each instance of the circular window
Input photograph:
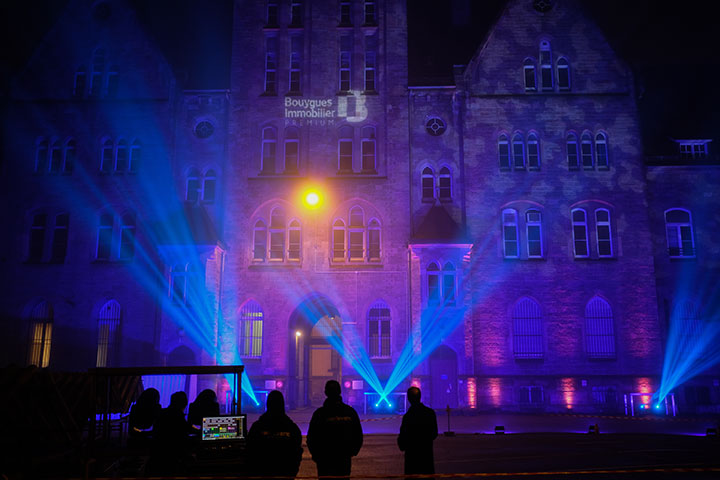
x,y
204,129
435,126
542,6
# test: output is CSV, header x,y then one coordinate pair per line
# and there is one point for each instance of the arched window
x,y
259,241
98,70
529,75
572,151
679,231
533,227
121,158
580,236
356,234
41,156
251,330
428,184
60,238
433,284
292,150
603,232
345,150
563,74
209,186
70,156
41,322
445,184
374,241
338,240
510,233
56,157
127,236
135,156
269,144
277,234
108,323
546,70
601,151
518,148
294,241
504,152
533,152
178,282
586,151
378,319
192,193
368,150
448,284
107,159
38,228
599,329
80,82
527,330
104,237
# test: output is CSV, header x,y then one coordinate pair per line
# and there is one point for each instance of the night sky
x,y
671,46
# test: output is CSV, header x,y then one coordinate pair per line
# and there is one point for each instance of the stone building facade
x,y
497,241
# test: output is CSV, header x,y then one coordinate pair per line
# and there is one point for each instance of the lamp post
x,y
299,367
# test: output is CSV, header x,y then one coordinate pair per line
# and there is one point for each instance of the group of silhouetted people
x,y
274,442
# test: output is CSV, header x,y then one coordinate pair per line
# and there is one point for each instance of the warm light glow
x,y
298,333
312,198
472,392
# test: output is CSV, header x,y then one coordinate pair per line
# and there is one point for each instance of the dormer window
x,y
693,149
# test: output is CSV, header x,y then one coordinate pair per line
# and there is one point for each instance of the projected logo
x,y
325,111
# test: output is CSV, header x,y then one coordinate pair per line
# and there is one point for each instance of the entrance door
x,y
443,374
323,361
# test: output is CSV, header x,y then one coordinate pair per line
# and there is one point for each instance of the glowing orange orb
x,y
312,199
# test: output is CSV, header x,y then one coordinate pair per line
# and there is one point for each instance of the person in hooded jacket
x,y
274,442
335,434
417,433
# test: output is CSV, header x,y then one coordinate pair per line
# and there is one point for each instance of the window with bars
x,y
571,143
563,74
599,329
251,330
345,149
379,330
41,323
292,150
271,65
370,63
108,324
603,233
579,231
368,147
344,63
269,148
679,233
527,330
529,75
510,233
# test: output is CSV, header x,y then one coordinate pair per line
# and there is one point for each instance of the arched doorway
x,y
312,360
443,377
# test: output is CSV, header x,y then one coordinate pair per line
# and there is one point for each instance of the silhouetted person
x,y
417,432
334,435
170,437
274,443
143,415
205,405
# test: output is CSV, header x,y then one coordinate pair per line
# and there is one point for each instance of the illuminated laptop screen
x,y
223,428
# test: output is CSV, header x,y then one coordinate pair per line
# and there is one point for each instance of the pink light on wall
x,y
644,385
471,392
567,387
495,391
415,382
